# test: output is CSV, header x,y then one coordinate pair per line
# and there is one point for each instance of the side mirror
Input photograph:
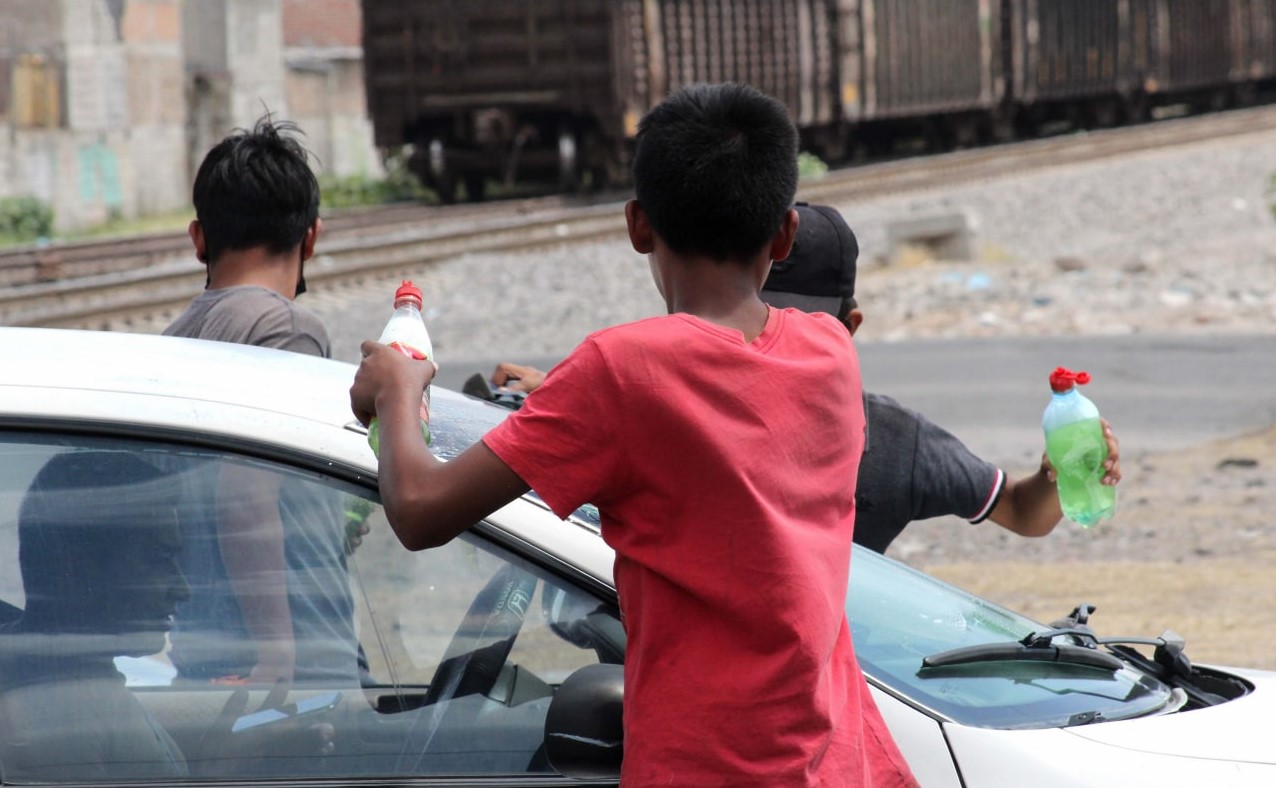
x,y
584,733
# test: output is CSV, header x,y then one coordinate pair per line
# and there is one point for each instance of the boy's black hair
x,y
256,188
715,169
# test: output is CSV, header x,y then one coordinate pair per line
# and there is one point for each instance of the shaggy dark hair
x,y
715,169
256,188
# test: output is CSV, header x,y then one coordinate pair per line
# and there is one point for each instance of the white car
x,y
494,660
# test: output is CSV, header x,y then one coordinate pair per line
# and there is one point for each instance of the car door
x,y
148,589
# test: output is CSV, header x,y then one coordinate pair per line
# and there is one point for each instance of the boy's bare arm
x,y
1029,506
427,502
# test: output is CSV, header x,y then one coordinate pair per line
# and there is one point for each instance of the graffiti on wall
x,y
99,170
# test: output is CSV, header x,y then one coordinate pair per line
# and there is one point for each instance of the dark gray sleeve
x,y
948,479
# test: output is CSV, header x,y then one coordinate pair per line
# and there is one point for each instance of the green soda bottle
x,y
406,333
1077,450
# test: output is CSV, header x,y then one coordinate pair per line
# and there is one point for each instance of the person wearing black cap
x,y
911,468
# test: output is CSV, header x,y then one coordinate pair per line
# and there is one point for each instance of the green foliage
x,y
398,185
811,166
24,219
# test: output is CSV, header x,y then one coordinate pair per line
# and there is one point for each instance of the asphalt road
x,y
1159,392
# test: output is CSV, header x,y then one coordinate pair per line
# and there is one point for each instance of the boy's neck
x,y
256,267
724,293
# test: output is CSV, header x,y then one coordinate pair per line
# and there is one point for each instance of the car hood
x,y
1236,731
1226,745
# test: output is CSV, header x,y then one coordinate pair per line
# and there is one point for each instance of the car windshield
x,y
146,586
900,616
461,421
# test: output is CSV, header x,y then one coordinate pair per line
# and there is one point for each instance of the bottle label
x,y
408,351
412,352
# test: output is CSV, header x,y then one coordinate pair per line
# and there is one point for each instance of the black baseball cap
x,y
820,270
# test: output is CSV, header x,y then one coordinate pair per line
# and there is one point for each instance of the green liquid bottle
x,y
1077,449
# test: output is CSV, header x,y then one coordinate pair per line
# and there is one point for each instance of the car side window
x,y
170,612
472,641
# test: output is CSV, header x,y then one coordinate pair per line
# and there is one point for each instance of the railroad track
x,y
35,265
383,245
96,301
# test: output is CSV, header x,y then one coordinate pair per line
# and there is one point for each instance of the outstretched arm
x,y
1030,506
427,502
517,377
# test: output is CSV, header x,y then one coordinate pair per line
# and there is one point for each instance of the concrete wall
x,y
115,146
117,101
326,98
236,63
157,104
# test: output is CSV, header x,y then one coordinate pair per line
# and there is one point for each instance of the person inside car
x,y
98,548
691,433
912,469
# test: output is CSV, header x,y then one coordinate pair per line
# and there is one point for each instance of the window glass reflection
x,y
169,612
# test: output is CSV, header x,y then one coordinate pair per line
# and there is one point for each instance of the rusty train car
x,y
551,91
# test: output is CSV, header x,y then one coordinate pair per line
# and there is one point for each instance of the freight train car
x,y
1196,48
552,90
1070,60
933,65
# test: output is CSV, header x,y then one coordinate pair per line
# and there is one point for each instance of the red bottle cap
x,y
1063,379
408,292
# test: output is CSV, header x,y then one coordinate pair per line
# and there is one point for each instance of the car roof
x,y
268,401
291,386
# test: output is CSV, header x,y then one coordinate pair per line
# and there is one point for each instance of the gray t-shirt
x,y
914,470
72,723
252,315
210,639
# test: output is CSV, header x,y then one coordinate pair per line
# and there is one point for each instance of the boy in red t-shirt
x,y
716,442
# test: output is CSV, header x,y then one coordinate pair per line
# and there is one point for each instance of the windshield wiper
x,y
1030,649
1040,647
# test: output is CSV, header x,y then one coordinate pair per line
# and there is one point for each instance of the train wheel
x,y
1103,114
429,163
1000,128
963,131
1244,95
475,187
599,162
1136,109
568,161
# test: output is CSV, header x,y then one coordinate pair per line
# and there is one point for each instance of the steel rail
x,y
34,264
93,301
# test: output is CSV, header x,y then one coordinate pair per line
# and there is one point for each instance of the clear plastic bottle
x,y
406,333
1077,449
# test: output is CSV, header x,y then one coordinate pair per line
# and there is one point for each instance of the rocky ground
x,y
1167,242
1162,242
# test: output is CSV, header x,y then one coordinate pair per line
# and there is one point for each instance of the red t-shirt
x,y
723,472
